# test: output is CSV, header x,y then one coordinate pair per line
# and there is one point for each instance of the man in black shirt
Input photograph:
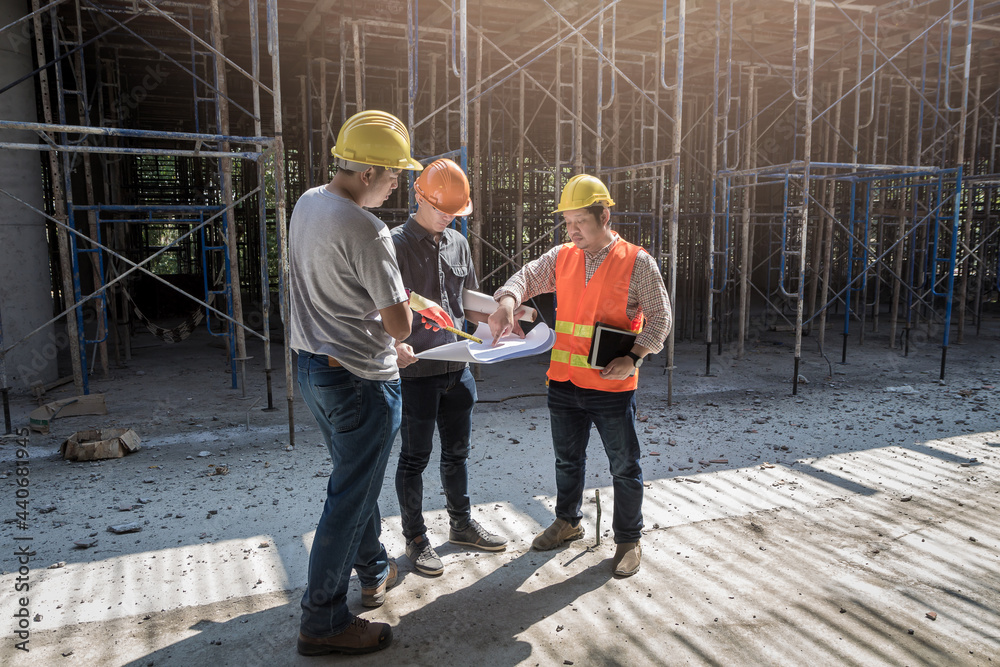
x,y
436,263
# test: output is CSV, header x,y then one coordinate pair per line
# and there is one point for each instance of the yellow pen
x,y
458,332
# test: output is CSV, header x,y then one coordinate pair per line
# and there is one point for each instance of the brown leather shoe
x,y
626,560
360,636
375,597
560,531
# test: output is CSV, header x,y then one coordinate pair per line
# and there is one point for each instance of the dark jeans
x,y
446,401
359,420
572,412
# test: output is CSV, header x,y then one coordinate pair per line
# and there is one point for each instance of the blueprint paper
x,y
538,340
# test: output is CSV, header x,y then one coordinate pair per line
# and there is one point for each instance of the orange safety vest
x,y
581,304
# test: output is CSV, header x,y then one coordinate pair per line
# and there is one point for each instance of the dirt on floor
x,y
855,522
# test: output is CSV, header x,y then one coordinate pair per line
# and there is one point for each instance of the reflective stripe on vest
x,y
582,330
564,357
581,305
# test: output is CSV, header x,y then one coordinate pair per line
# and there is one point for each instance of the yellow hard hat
x,y
374,138
445,187
582,191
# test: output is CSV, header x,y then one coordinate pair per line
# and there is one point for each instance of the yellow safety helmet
x,y
374,138
582,191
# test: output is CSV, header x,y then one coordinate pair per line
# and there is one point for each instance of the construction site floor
x,y
854,523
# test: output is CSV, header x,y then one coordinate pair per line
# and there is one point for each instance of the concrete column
x,y
25,282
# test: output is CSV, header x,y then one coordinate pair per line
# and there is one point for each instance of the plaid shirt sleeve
x,y
648,294
536,277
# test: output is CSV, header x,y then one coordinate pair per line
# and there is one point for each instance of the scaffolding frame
x,y
66,143
755,151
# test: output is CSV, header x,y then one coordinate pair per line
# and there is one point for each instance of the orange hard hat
x,y
444,185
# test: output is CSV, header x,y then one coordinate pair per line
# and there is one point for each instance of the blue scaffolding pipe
x,y
76,253
953,251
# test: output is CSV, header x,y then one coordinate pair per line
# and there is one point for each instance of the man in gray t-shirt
x,y
343,272
348,308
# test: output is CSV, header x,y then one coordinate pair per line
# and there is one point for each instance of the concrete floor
x,y
843,516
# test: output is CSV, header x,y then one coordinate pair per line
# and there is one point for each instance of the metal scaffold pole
x,y
675,186
806,166
280,215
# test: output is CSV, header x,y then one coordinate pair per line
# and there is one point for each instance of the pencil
x,y
461,333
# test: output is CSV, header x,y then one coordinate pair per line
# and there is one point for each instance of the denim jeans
x,y
572,412
359,420
446,401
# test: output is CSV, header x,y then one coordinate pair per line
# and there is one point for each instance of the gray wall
x,y
25,284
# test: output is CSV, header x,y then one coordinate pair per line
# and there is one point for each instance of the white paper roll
x,y
483,303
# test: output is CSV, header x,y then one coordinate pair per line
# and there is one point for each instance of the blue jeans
x,y
359,420
572,412
446,401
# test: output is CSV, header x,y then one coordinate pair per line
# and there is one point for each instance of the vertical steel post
x,y
675,189
342,76
308,132
827,228
578,105
265,274
359,102
952,252
280,209
79,74
900,226
324,121
745,266
226,167
463,91
960,161
712,212
479,173
432,123
59,197
72,267
412,65
519,212
306,154
557,180
804,223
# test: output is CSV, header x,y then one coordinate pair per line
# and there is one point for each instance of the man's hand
x,y
430,312
405,355
502,322
618,369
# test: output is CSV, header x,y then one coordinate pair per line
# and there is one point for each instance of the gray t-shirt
x,y
343,271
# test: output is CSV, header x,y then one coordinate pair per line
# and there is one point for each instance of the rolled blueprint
x,y
483,303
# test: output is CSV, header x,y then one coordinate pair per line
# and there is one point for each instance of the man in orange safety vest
x,y
598,278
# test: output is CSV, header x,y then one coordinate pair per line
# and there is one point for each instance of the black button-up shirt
x,y
439,272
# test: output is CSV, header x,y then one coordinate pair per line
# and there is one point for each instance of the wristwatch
x,y
636,359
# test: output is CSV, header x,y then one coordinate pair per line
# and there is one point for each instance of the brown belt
x,y
333,363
